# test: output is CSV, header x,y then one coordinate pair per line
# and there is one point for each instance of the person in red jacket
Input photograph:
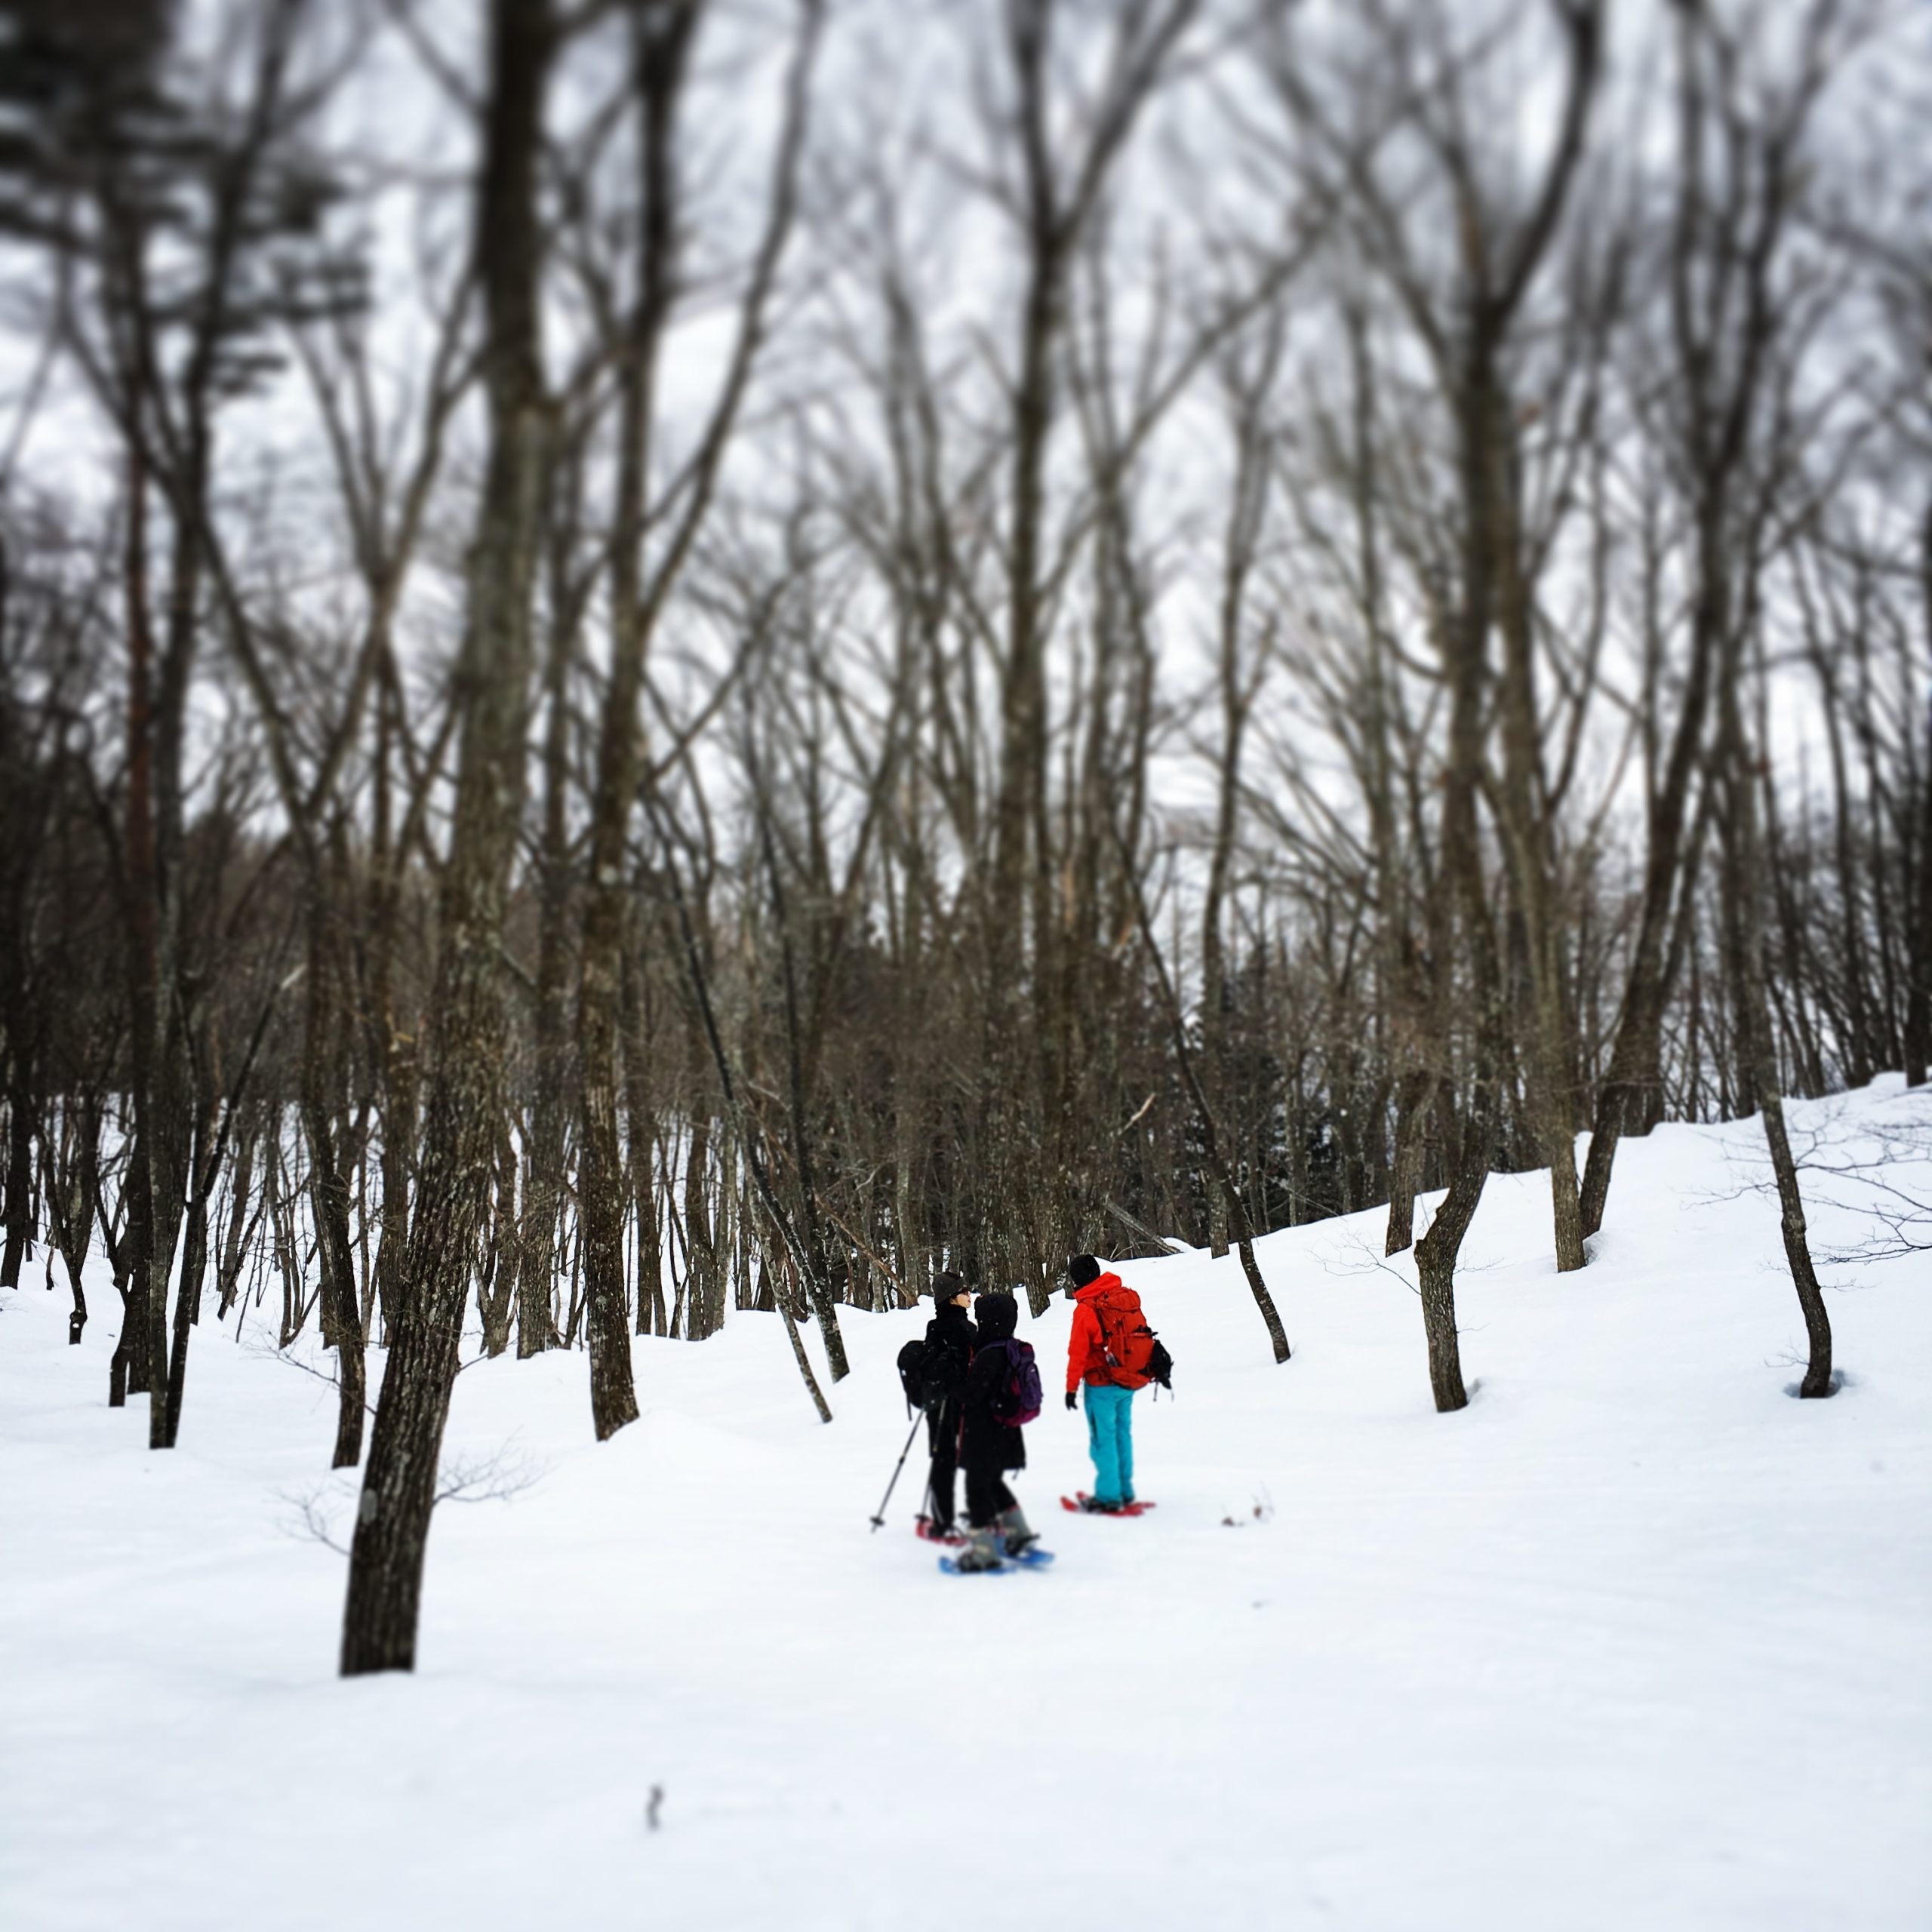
x,y
1099,1358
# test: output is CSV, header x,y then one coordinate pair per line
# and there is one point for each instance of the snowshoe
x,y
1035,1558
1081,1504
950,1564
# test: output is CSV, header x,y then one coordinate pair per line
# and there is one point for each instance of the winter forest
x,y
665,665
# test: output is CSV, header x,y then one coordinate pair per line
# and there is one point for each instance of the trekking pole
x,y
879,1521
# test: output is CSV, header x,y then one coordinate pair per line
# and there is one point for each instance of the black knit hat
x,y
1081,1269
948,1288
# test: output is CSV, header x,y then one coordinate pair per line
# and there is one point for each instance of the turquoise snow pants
x,y
1110,1441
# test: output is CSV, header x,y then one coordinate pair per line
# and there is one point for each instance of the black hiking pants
x,y
943,1433
986,1493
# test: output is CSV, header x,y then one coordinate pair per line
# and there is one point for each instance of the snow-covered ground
x,y
1635,1641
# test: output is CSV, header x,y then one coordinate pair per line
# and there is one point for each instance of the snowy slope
x,y
1636,1641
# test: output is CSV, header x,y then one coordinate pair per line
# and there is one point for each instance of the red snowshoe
x,y
1081,1504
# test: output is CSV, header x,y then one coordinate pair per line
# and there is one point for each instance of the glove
x,y
1073,1400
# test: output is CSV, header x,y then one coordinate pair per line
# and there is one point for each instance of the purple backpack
x,y
1017,1401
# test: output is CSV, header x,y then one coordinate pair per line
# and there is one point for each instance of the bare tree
x,y
662,39
464,1096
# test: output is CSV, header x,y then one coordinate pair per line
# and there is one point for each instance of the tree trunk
x,y
464,1104
1435,1269
1757,1072
661,48
229,1273
543,1159
1918,992
496,1290
188,1296
1471,1139
642,1122
328,1190
1529,842
19,1211
70,1207
1412,1117
132,1368
168,1187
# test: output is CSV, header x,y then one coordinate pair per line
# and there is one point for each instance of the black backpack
x,y
929,1373
912,1373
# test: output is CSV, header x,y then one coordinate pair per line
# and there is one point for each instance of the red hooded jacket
x,y
1086,1353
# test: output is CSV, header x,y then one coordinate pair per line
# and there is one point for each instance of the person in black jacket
x,y
949,1344
990,1446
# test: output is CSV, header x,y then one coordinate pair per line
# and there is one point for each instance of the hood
x,y
1095,1289
997,1316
